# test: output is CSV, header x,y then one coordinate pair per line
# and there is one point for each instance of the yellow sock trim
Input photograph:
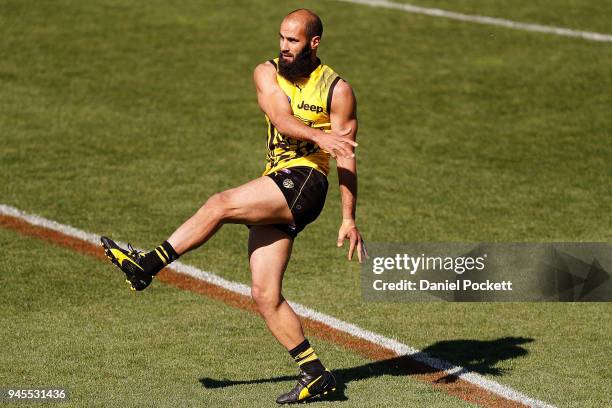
x,y
309,358
164,260
305,353
164,251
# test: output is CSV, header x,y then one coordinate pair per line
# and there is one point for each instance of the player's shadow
x,y
476,356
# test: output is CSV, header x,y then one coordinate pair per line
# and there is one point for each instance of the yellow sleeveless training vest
x,y
310,100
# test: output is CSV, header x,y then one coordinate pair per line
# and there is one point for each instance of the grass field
x,y
122,117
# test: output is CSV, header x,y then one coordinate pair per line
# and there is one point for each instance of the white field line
x,y
398,348
434,12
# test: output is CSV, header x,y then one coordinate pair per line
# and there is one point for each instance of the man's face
x,y
293,40
295,57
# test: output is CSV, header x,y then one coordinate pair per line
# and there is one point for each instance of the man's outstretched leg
x,y
257,202
269,252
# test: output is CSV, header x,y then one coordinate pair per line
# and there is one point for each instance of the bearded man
x,y
311,115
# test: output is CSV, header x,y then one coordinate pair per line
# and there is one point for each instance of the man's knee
x,y
266,299
219,206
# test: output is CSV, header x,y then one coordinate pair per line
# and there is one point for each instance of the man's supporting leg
x,y
269,252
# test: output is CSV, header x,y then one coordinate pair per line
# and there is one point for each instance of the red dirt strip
x,y
438,379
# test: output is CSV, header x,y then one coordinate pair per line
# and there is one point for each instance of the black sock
x,y
307,359
154,261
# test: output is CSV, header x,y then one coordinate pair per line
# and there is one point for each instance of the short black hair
x,y
314,25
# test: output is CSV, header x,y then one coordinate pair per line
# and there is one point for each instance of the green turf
x,y
573,14
122,117
69,322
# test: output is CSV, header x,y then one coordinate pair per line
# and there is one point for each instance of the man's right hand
x,y
337,143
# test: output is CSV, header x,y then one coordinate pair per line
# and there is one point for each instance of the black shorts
x,y
305,190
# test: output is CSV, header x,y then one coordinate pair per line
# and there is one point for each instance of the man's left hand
x,y
348,230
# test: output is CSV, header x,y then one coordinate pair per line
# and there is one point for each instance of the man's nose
x,y
284,45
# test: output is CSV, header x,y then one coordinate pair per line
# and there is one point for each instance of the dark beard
x,y
301,67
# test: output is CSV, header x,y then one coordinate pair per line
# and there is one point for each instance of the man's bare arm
x,y
273,102
344,116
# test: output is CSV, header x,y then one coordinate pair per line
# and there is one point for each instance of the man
x,y
311,115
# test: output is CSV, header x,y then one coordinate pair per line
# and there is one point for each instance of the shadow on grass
x,y
476,356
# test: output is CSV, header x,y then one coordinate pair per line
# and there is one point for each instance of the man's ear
x,y
314,42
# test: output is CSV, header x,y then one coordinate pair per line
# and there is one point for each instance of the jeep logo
x,y
312,108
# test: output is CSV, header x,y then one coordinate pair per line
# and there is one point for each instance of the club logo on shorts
x,y
288,183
